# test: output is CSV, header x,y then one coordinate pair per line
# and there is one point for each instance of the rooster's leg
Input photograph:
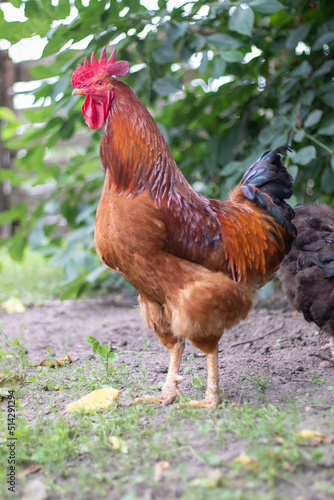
x,y
212,395
169,390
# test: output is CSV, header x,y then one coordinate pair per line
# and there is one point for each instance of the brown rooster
x,y
307,272
194,261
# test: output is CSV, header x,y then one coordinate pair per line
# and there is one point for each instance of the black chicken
x,y
307,272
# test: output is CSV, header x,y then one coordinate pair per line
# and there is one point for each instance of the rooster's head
x,y
95,81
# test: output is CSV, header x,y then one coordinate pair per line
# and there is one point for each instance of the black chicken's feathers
x,y
307,272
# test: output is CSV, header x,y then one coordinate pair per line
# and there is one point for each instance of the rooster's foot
x,y
212,394
211,402
168,393
165,399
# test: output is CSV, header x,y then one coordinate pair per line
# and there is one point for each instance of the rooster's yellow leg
x,y
169,390
212,395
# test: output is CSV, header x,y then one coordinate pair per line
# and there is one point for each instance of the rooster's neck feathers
x,y
145,162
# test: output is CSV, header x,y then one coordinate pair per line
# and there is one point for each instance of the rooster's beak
x,y
78,92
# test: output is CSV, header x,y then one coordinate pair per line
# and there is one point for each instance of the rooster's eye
x,y
99,82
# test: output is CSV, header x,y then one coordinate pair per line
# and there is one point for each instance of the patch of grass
x,y
317,379
199,446
31,279
260,384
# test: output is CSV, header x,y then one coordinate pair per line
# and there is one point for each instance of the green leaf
x,y
164,53
232,167
304,155
18,244
299,135
325,68
8,131
308,97
325,39
302,71
74,289
329,99
327,181
67,129
33,160
166,85
297,35
9,174
37,236
63,9
31,8
93,275
197,43
232,56
293,170
57,39
91,340
204,63
327,127
278,123
104,350
279,140
266,6
223,41
15,213
313,118
175,30
218,68
266,136
8,115
242,21
41,72
164,131
16,3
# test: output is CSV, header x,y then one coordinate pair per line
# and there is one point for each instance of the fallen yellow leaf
x,y
54,362
214,479
13,305
159,469
10,379
118,444
99,399
248,462
307,433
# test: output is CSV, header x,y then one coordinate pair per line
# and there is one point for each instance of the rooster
x,y
307,272
193,260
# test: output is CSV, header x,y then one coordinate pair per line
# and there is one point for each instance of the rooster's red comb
x,y
95,67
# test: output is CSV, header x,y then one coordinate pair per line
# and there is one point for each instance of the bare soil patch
x,y
282,356
274,370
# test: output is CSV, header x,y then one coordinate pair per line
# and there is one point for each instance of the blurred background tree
x,y
225,80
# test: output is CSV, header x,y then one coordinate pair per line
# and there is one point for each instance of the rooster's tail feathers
x,y
267,183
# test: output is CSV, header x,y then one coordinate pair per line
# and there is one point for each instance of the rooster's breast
x,y
129,236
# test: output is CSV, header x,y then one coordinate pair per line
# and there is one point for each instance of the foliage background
x,y
218,107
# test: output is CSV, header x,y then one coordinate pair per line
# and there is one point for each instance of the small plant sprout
x,y
104,352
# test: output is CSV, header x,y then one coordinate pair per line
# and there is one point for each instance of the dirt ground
x,y
265,360
283,357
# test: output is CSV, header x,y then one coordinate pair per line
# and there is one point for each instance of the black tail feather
x,y
268,184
